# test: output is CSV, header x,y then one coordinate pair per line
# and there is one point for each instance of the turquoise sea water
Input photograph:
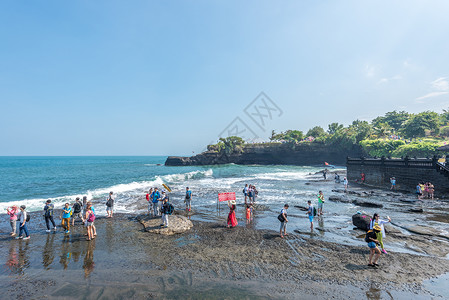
x,y
32,180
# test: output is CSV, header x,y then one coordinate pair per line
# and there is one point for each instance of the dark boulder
x,y
367,204
361,221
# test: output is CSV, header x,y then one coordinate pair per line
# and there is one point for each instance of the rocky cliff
x,y
271,154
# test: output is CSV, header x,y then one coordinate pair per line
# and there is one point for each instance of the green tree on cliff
x,y
393,118
417,125
362,130
232,144
316,131
334,127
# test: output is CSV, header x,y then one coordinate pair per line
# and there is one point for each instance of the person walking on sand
x,y
22,218
13,212
110,205
77,209
283,218
345,183
320,203
393,183
232,220
90,218
381,234
48,215
149,200
374,252
310,213
188,199
65,217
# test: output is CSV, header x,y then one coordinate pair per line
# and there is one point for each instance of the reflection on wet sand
x,y
48,254
12,264
18,259
66,253
89,264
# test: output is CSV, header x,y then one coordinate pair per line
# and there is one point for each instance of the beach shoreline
x,y
208,262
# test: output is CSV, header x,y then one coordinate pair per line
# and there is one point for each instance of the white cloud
x,y
385,80
441,84
370,70
432,94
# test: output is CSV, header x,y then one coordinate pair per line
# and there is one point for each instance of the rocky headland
x,y
270,154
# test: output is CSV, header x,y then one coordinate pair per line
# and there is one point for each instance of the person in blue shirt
x,y
65,217
188,199
155,197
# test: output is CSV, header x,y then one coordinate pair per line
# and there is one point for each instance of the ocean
x,y
33,180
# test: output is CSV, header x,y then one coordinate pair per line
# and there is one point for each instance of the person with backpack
x,y
166,210
65,217
23,218
283,219
90,218
77,211
374,251
110,205
155,196
188,199
94,229
48,215
311,212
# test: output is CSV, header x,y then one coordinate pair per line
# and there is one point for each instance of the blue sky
x,y
166,77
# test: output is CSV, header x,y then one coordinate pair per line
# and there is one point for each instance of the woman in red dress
x,y
232,220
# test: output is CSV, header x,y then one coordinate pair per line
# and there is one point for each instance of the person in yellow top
x,y
320,203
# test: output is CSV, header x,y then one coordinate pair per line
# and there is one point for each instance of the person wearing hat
x,y
284,223
232,220
23,223
13,218
374,251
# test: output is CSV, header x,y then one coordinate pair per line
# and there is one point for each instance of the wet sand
x,y
209,262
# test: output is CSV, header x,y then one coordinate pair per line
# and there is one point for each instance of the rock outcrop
x,y
177,224
361,221
270,154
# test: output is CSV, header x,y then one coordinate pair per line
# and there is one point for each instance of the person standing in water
x,y
310,214
13,218
245,192
320,203
149,200
345,183
110,205
188,199
22,217
65,217
284,222
77,211
48,215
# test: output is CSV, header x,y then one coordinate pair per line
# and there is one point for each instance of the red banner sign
x,y
226,196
